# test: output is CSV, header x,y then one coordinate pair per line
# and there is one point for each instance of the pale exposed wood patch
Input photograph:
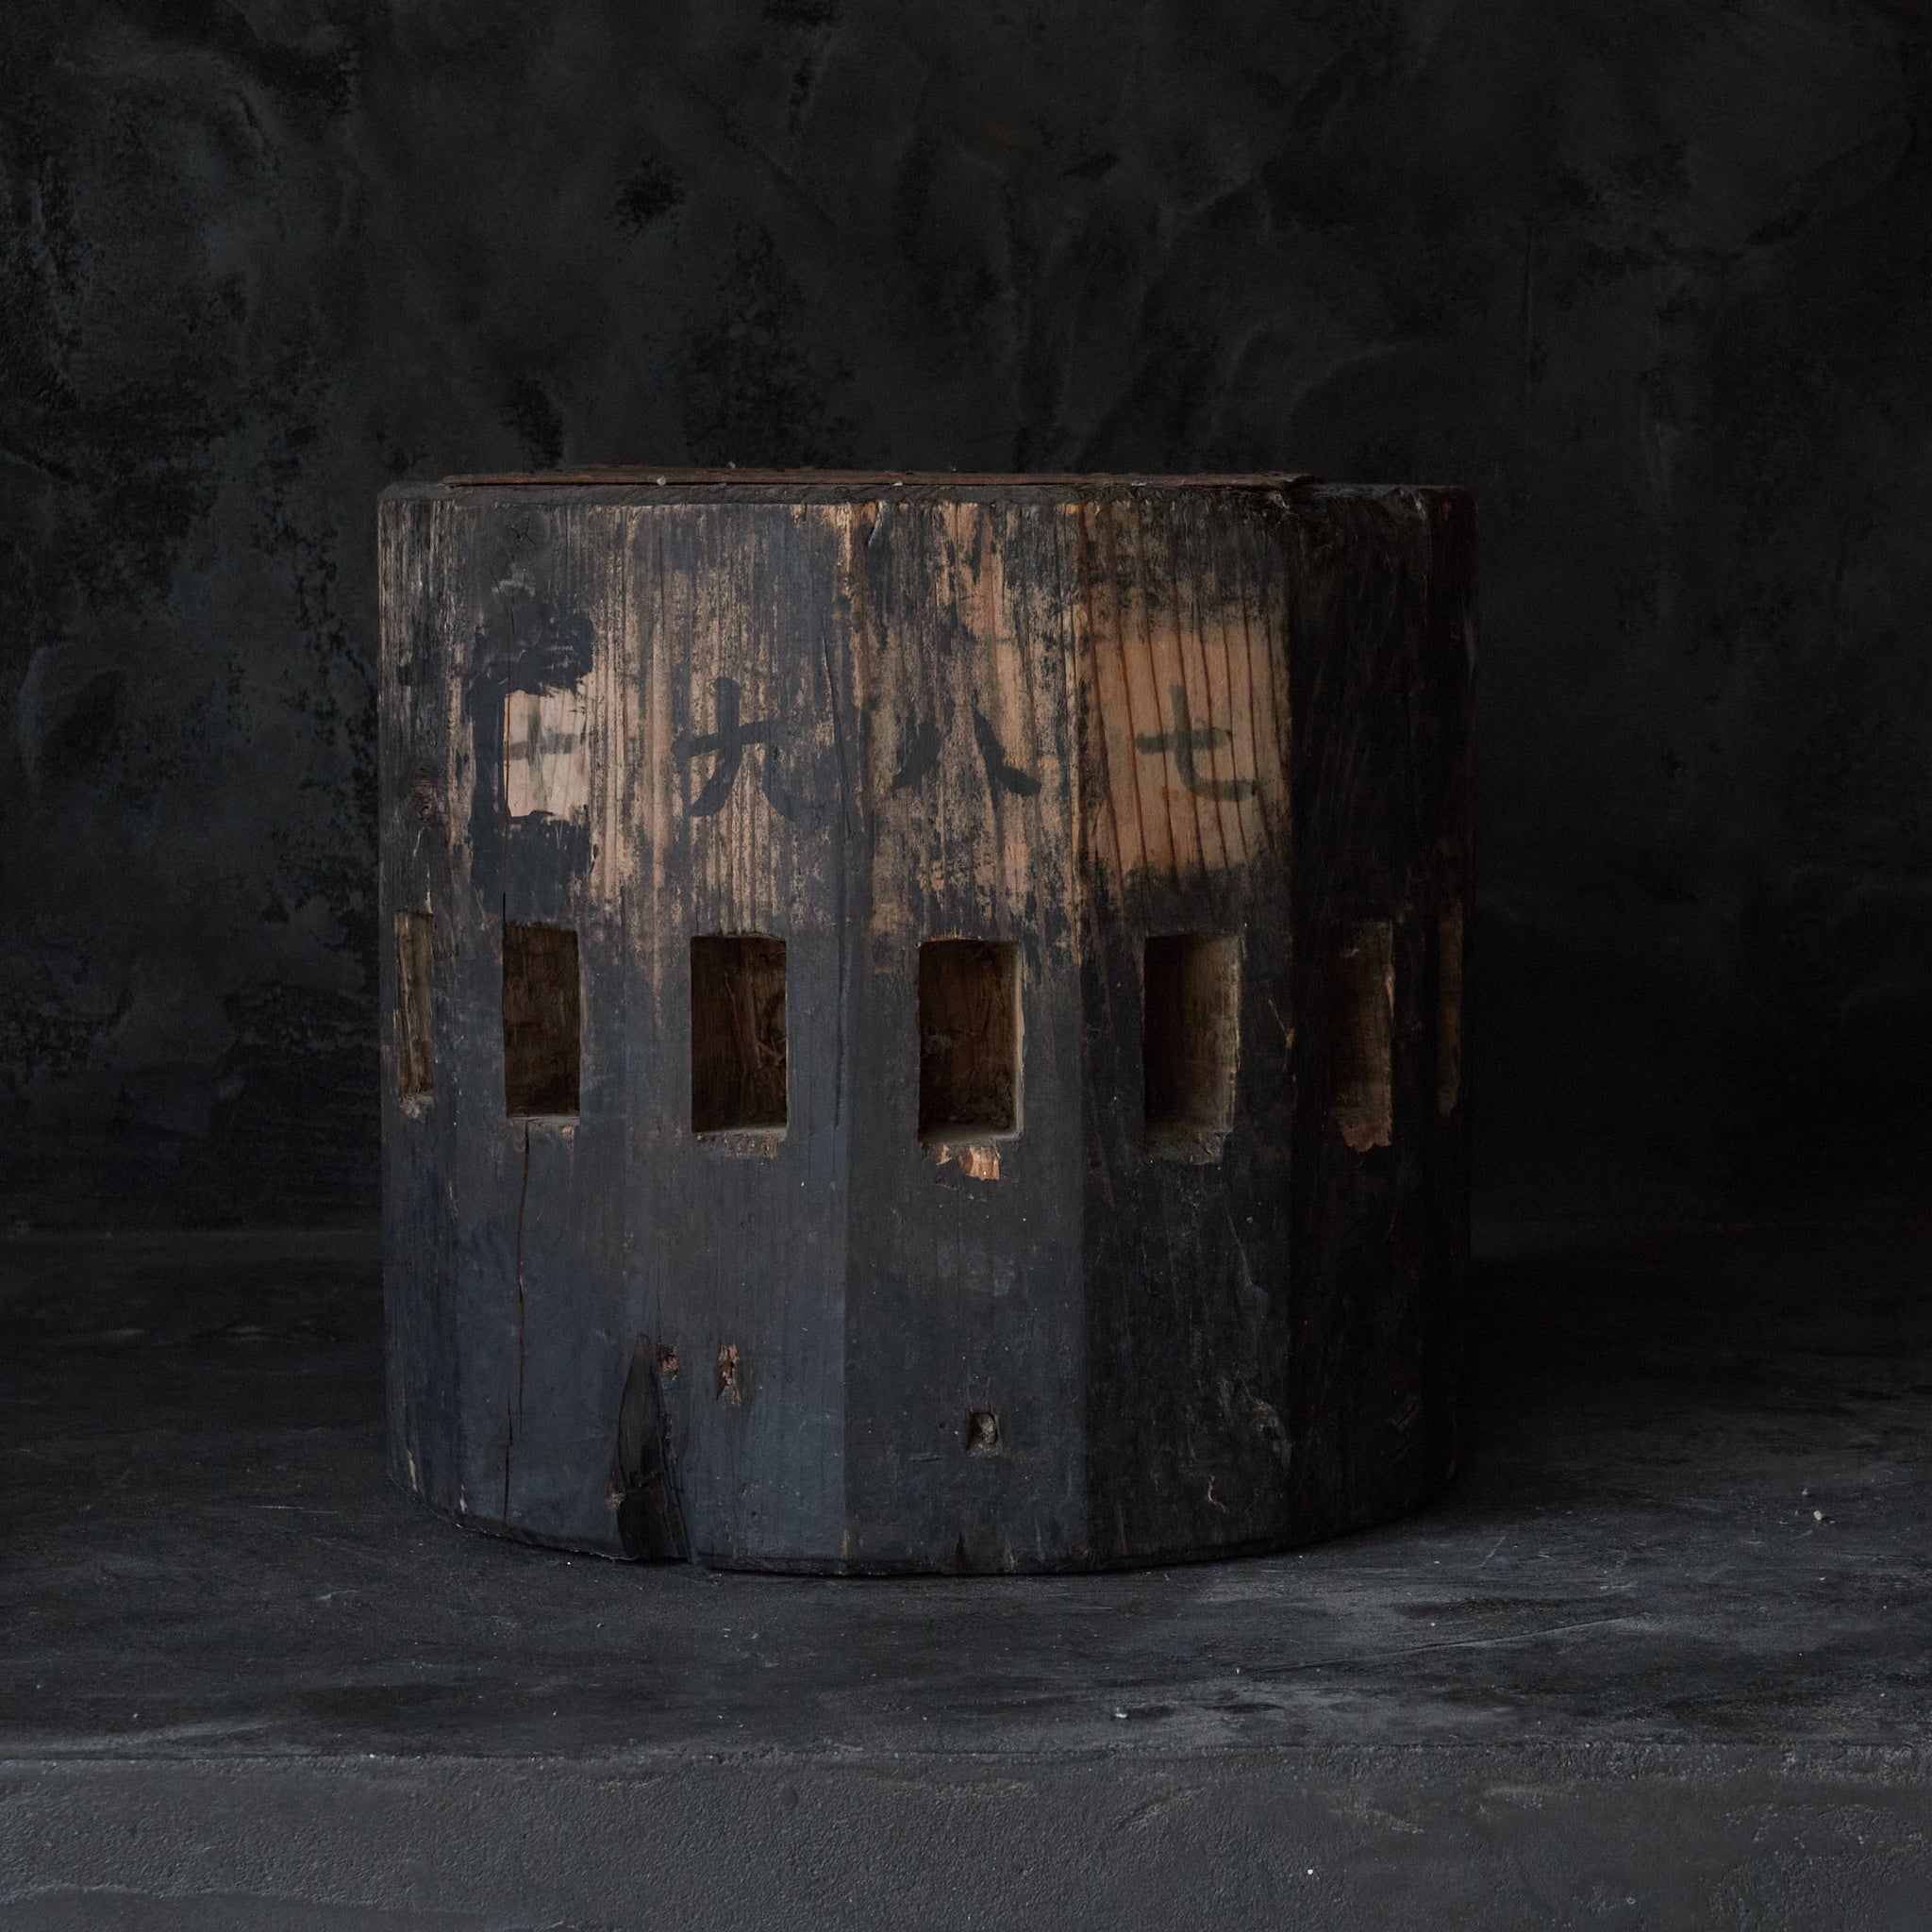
x,y
978,1160
546,754
1017,762
1182,648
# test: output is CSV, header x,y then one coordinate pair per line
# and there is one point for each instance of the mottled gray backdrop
x,y
1652,279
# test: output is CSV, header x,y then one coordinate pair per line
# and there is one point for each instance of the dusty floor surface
x,y
1659,1657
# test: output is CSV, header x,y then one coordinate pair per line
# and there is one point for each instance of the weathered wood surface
x,y
1075,1321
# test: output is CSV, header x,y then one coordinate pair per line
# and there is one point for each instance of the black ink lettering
x,y
1000,774
921,758
728,744
1184,741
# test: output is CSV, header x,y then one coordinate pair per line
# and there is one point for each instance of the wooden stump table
x,y
923,1014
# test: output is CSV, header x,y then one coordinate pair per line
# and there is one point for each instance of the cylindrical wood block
x,y
923,1014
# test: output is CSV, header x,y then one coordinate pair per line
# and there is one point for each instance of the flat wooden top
x,y
633,475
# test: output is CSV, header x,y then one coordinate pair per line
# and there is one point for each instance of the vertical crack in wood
x,y
514,1414
1362,1030
644,1494
1448,1007
838,881
523,1201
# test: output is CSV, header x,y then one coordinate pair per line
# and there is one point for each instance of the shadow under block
x,y
922,1019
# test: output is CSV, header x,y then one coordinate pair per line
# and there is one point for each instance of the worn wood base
x,y
923,1030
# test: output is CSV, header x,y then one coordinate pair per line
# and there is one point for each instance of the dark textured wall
x,y
1654,281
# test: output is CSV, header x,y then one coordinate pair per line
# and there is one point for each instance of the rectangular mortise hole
x,y
1190,1018
415,1054
969,1040
737,1034
541,1020
1361,1024
1448,1007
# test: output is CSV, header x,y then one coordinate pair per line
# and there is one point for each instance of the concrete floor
x,y
1658,1659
